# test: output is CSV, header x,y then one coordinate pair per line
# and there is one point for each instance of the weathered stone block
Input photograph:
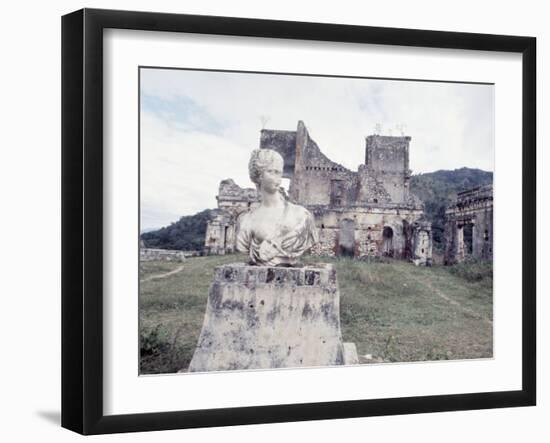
x,y
260,317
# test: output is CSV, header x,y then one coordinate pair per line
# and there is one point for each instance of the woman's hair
x,y
260,159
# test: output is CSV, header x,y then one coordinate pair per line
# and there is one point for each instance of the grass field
x,y
393,311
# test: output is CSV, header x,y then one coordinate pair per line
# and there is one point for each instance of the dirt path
x,y
160,276
450,300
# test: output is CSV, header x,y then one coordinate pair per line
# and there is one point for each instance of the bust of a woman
x,y
277,232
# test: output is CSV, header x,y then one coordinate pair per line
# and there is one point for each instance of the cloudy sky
x,y
198,127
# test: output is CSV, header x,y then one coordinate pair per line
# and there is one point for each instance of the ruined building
x,y
232,202
368,212
469,226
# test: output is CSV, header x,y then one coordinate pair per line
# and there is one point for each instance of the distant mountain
x,y
438,189
186,234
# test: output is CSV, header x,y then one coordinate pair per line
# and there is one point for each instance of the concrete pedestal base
x,y
261,317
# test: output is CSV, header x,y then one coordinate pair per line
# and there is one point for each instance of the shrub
x,y
151,342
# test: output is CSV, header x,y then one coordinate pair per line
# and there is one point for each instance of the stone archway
x,y
346,243
468,238
387,244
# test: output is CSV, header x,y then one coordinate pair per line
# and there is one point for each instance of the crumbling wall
x,y
328,242
387,153
370,190
217,233
284,142
233,201
369,224
231,197
375,199
369,241
472,207
422,243
387,161
150,254
317,179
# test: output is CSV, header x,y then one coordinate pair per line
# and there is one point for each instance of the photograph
x,y
273,219
302,220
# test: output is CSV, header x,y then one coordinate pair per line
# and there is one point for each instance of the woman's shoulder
x,y
244,218
247,220
298,210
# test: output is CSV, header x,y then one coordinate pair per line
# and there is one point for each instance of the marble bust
x,y
277,232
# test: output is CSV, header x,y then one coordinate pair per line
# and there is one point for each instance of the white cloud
x,y
451,126
181,171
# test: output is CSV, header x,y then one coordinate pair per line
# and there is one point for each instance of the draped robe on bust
x,y
277,242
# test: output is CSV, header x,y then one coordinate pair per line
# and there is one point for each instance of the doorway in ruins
x,y
346,244
387,245
468,238
225,245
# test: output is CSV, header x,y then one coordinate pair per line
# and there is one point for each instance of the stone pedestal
x,y
261,317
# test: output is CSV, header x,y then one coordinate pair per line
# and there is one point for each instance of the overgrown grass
x,y
171,311
156,267
392,310
474,271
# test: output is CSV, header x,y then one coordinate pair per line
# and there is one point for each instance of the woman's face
x,y
271,177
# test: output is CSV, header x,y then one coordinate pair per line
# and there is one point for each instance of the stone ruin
x,y
150,254
364,213
469,226
233,201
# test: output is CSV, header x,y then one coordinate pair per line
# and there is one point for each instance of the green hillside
x,y
438,189
186,234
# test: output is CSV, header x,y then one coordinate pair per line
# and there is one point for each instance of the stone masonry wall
x,y
284,142
472,208
320,181
148,254
387,159
357,213
368,232
233,201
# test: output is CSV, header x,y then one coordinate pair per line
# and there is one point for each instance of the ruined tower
x,y
386,166
368,212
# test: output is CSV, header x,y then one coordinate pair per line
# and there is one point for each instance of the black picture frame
x,y
82,220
